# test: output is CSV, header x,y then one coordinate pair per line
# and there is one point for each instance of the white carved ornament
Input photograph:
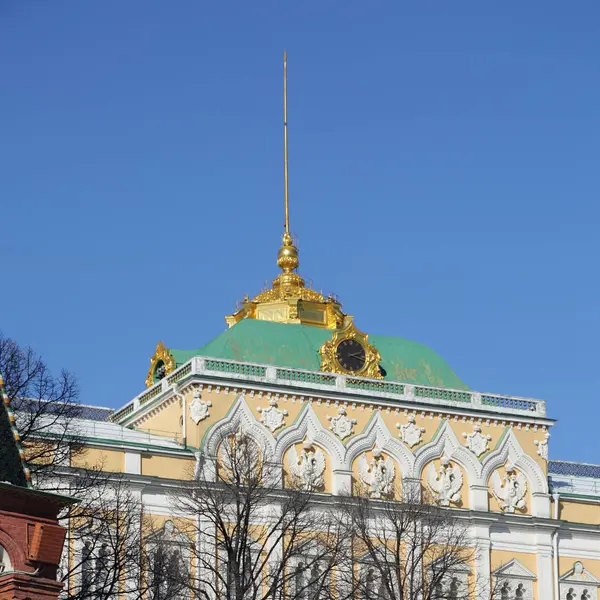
x,y
542,446
199,408
378,475
341,425
410,433
511,490
477,443
308,468
445,485
273,417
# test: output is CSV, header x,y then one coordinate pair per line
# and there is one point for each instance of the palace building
x,y
299,375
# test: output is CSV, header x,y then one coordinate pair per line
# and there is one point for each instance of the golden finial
x,y
288,300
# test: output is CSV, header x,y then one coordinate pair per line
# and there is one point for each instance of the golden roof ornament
x,y
289,300
161,364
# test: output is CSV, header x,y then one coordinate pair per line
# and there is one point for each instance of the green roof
x,y
297,347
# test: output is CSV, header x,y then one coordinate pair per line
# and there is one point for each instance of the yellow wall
x,y
166,422
168,419
579,512
168,467
97,458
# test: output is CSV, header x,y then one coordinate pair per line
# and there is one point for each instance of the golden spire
x,y
289,300
287,257
285,147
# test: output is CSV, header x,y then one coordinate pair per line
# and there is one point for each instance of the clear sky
x,y
444,181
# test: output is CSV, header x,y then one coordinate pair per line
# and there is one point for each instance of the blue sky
x,y
444,181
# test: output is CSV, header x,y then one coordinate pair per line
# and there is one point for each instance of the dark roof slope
x,y
13,469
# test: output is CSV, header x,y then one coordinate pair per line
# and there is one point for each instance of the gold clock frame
x,y
162,353
330,363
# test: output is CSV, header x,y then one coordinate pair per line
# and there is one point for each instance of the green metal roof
x,y
297,346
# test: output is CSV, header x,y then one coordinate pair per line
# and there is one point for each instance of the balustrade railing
x,y
314,380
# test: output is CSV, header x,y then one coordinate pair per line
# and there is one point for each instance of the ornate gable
x,y
578,584
514,570
579,574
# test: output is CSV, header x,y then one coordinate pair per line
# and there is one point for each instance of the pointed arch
x,y
307,424
446,443
509,449
377,433
239,416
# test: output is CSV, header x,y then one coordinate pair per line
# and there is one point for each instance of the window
x,y
169,559
168,574
97,577
310,582
249,567
372,586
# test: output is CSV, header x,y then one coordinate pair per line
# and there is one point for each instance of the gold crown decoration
x,y
162,358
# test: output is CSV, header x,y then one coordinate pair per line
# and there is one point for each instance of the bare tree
x,y
408,550
106,532
104,545
255,539
46,407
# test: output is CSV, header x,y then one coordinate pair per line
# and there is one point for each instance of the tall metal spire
x,y
285,147
289,300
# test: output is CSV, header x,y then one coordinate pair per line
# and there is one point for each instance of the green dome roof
x,y
297,346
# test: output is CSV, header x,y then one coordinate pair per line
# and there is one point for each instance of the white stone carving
x,y
511,491
273,417
542,446
308,468
445,485
378,475
477,443
199,408
579,584
410,433
341,425
513,581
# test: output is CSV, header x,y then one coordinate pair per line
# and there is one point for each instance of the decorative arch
x,y
239,417
307,424
16,555
377,433
446,443
509,449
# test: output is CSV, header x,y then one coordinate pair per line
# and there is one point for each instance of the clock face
x,y
351,355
